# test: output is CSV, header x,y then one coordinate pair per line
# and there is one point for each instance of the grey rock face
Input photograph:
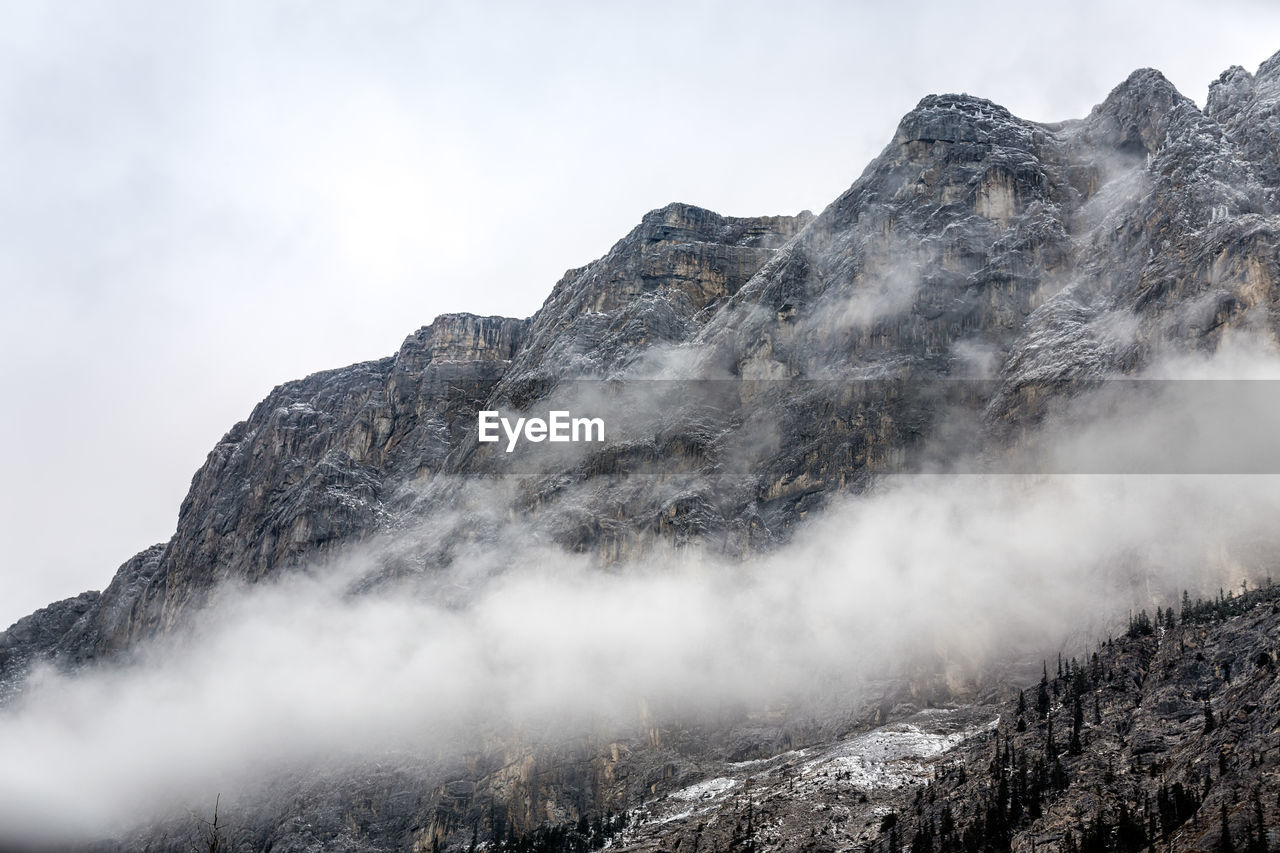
x,y
1185,254
39,636
317,464
107,625
647,290
1248,109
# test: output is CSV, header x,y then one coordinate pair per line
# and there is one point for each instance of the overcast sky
x,y
199,201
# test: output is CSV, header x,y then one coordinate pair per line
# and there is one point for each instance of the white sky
x,y
200,201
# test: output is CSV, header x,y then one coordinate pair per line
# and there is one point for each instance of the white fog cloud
x,y
201,202
941,576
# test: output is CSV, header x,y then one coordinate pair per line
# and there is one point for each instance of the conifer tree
x,y
1075,747
1042,694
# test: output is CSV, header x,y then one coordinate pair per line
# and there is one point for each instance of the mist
x,y
940,579
180,179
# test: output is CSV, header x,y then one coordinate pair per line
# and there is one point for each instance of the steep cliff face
x,y
953,233
649,289
1247,107
795,358
1185,252
39,636
317,465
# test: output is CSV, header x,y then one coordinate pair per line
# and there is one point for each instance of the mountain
x,y
982,270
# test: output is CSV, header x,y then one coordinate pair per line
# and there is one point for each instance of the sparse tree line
x,y
959,814
1199,612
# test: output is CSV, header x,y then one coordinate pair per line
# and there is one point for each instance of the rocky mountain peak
x,y
1135,118
681,223
955,119
1236,87
1270,68
464,337
1247,107
1228,93
656,285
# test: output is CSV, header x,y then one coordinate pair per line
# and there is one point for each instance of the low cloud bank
x,y
942,573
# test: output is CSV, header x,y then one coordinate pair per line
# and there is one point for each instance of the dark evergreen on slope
x,y
976,246
1155,769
